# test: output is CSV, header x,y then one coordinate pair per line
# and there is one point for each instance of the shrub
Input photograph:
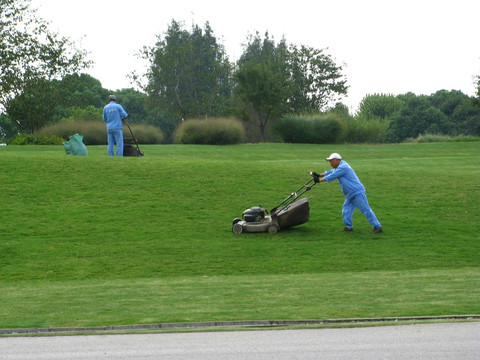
x,y
312,129
360,130
146,134
95,132
432,138
214,131
462,138
441,138
37,139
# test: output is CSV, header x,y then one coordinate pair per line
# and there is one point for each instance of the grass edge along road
x,y
242,298
60,265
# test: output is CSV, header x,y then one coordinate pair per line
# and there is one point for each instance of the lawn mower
x,y
128,148
292,211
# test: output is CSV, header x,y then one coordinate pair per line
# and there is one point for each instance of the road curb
x,y
229,324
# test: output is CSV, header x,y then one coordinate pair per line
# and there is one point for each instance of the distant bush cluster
x,y
95,132
313,129
213,131
428,138
362,131
37,139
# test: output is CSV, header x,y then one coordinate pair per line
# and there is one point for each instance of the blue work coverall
x,y
112,115
355,194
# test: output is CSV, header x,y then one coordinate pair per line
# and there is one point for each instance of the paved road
x,y
455,341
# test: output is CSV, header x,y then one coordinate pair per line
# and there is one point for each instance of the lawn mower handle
x,y
294,194
135,140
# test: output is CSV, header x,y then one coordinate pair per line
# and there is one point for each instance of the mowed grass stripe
x,y
225,298
167,216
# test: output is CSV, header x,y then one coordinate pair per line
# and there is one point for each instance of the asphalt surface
x,y
437,341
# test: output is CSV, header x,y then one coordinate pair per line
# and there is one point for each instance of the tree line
x,y
190,76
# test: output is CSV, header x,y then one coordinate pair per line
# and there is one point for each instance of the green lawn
x,y
91,241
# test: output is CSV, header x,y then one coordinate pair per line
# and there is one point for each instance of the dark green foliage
x,y
460,109
313,129
31,57
317,80
84,113
162,120
378,106
34,107
217,131
277,79
416,116
466,119
81,90
360,130
37,139
135,104
8,130
262,82
189,75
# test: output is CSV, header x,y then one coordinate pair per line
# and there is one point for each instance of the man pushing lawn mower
x,y
352,188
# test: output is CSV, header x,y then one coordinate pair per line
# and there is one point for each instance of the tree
x,y
79,90
466,118
263,83
7,129
34,107
416,116
273,80
317,80
189,75
378,106
460,109
31,56
134,103
448,101
476,101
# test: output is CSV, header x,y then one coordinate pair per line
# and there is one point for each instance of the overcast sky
x,y
390,47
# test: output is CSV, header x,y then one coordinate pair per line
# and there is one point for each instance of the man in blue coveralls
x,y
354,191
113,115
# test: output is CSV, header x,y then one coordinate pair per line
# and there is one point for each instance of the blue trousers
x,y
115,137
360,201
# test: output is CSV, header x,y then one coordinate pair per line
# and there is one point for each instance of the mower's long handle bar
x,y
131,132
306,187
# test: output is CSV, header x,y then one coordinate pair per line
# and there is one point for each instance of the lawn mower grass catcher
x,y
128,148
290,212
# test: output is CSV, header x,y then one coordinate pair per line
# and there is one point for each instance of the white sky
x,y
390,47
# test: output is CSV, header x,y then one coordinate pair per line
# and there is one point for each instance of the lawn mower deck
x,y
290,212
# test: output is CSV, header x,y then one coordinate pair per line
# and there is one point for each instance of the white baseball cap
x,y
334,156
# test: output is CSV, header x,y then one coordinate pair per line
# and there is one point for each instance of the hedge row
x,y
95,133
37,139
312,129
215,131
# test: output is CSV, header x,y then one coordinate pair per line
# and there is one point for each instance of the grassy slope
x,y
101,241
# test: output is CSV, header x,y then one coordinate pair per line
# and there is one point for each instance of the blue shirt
x,y
348,180
113,114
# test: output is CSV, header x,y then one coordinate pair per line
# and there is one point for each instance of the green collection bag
x,y
75,145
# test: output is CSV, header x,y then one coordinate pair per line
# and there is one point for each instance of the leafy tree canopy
x,y
378,106
189,74
416,116
275,79
31,55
